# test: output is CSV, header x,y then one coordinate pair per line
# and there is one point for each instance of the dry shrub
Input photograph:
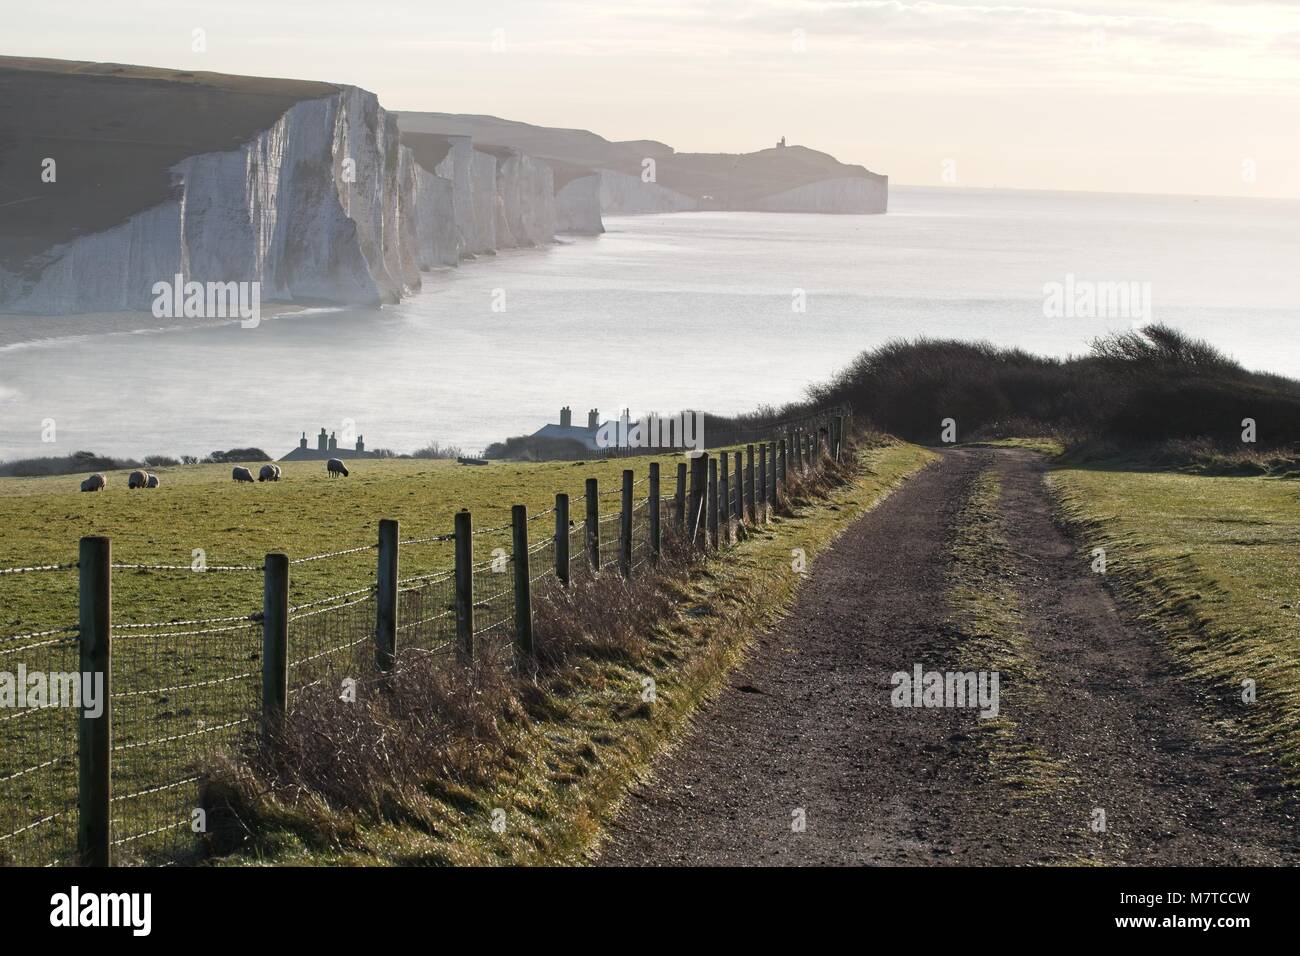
x,y
606,616
427,718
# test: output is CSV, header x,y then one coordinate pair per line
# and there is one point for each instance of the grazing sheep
x,y
268,473
335,466
241,473
277,472
137,479
94,483
152,481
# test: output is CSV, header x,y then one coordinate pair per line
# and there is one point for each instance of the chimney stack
x,y
593,419
566,417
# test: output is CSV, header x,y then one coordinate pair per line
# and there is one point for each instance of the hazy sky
x,y
1141,95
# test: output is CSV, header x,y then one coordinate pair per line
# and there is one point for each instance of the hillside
x,y
114,131
756,180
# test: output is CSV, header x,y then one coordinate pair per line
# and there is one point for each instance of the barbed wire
x,y
329,600
336,607
333,554
40,567
71,629
191,623
187,567
430,539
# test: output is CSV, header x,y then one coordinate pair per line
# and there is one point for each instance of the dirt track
x,y
806,725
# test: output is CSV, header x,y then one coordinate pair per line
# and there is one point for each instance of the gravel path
x,y
805,730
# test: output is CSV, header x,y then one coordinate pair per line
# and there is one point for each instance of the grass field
x,y
199,507
181,692
1211,561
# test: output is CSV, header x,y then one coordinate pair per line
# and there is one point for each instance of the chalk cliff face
x,y
577,206
845,194
326,205
312,208
625,195
525,190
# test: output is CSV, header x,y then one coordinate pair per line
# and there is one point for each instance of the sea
x,y
719,311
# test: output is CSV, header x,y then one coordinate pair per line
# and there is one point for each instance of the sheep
x,y
151,481
335,466
240,473
94,483
137,479
277,472
268,473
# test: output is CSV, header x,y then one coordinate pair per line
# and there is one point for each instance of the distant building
x,y
781,143
566,428
327,446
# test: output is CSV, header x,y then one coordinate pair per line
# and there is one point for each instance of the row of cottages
x,y
327,446
667,430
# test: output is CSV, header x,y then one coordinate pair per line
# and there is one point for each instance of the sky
x,y
1154,96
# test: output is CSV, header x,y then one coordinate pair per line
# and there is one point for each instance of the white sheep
x,y
335,466
152,481
240,473
94,483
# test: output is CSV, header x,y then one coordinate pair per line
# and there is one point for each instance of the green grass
x,y
567,770
178,695
199,507
1211,561
1051,447
987,614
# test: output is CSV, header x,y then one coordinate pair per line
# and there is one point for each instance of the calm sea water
x,y
660,313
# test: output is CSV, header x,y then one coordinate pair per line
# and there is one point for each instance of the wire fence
x,y
186,693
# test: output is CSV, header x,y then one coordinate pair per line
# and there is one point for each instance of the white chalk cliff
x,y
326,205
325,199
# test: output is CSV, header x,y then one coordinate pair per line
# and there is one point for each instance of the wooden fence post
x,y
771,475
386,596
724,497
738,508
751,514
523,582
275,642
839,435
593,524
699,481
562,538
465,585
95,734
713,502
679,498
762,479
782,474
653,512
625,526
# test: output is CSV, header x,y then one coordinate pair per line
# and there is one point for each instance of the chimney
x,y
361,444
593,419
302,442
566,417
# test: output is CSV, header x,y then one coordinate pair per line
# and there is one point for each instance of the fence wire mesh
x,y
185,692
179,699
38,760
